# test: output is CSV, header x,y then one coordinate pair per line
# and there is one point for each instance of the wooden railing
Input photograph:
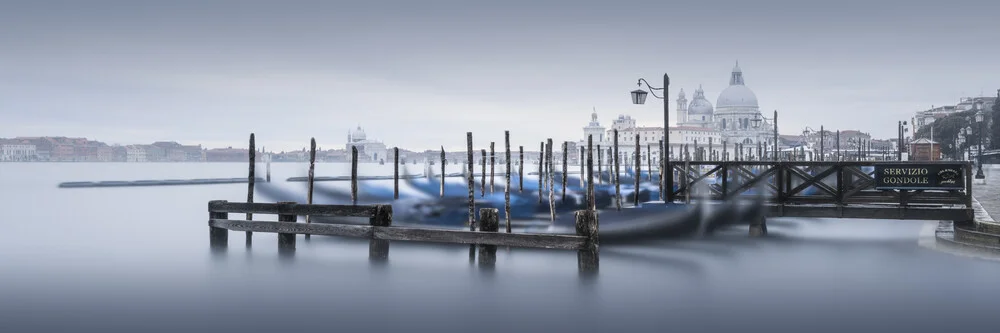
x,y
819,189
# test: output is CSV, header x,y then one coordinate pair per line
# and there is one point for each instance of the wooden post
x,y
638,170
686,182
443,163
490,222
312,175
666,178
565,169
649,164
541,170
759,227
614,177
493,162
506,189
551,180
482,180
591,202
286,242
354,175
520,169
395,173
267,156
218,238
583,163
472,183
587,225
600,171
472,194
378,249
250,181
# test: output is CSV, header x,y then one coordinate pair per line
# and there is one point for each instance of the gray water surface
x,y
138,260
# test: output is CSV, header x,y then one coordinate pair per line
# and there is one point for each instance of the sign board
x,y
917,176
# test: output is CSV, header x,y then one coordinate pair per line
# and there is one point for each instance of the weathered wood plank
x,y
296,209
346,230
567,242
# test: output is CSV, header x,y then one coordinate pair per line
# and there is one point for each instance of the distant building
x,y
925,150
15,151
230,155
135,153
368,150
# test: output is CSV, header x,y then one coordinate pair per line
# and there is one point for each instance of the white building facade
x,y
135,153
17,152
374,150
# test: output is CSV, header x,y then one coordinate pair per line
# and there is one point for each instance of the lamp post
x,y
639,97
758,119
979,155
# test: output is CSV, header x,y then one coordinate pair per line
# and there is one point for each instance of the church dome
x,y
358,134
700,105
737,95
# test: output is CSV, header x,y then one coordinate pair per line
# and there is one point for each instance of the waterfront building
x,y
929,116
135,153
368,150
15,151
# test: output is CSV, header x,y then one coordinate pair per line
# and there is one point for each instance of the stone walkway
x,y
988,195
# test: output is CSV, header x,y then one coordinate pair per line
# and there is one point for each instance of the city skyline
x,y
213,73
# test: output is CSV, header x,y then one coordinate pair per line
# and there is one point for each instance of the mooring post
x,y
614,177
520,169
443,163
482,180
686,182
218,238
506,189
638,170
759,227
312,174
267,156
493,162
541,170
250,181
582,166
600,170
649,164
565,169
838,147
489,219
551,180
354,175
378,249
395,173
666,176
472,194
591,202
286,242
587,225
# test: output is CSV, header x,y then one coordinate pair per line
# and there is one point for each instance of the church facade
x,y
699,125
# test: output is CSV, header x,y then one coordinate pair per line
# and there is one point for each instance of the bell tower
x,y
682,104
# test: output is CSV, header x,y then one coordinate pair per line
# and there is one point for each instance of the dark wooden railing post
x,y
489,219
493,162
286,242
587,225
395,173
506,189
482,181
472,194
614,171
520,169
312,175
565,169
218,237
250,184
378,249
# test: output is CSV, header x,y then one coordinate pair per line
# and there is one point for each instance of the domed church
x,y
733,115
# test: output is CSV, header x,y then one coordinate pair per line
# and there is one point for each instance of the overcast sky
x,y
420,74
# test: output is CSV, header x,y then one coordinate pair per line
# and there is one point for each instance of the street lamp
x,y
759,118
979,155
639,97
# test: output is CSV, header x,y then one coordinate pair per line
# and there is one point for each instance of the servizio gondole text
x,y
905,176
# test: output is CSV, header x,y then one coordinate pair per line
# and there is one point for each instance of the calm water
x,y
138,260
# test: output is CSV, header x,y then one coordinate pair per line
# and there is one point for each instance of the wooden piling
x,y
482,181
489,222
493,162
664,195
638,170
587,225
506,189
472,183
614,176
583,164
551,180
520,169
218,237
444,162
378,249
395,173
565,169
686,182
354,175
312,176
267,156
758,228
541,170
649,164
591,202
286,242
250,181
600,171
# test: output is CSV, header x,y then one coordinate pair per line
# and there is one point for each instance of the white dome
x,y
737,96
700,105
358,134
